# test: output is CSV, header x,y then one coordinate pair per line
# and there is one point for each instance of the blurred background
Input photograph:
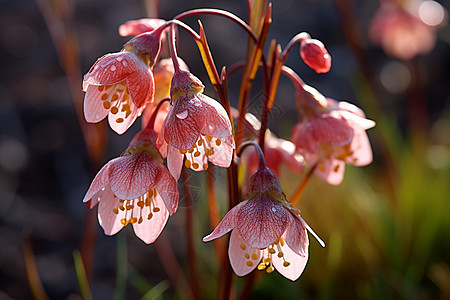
x,y
386,226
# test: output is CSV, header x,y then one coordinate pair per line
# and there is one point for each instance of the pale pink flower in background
x,y
119,85
136,27
267,232
197,127
315,55
135,188
277,152
405,29
330,135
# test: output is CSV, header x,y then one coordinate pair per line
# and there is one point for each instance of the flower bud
x,y
315,55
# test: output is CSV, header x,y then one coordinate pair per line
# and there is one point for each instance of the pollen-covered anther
x,y
130,206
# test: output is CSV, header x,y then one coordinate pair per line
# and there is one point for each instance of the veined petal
x,y
110,221
357,121
228,223
217,123
93,105
133,175
113,68
223,153
166,186
261,221
183,124
291,264
237,251
149,230
174,161
100,181
296,236
141,85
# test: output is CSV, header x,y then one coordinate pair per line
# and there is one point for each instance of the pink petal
x,y
228,222
223,154
166,186
136,27
183,124
133,175
356,121
261,221
240,264
174,161
141,85
217,123
100,181
331,170
296,236
362,151
119,122
149,230
113,68
297,263
110,221
93,105
330,129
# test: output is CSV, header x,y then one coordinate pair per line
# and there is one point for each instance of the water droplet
x,y
210,127
197,103
112,68
274,209
182,115
125,63
119,58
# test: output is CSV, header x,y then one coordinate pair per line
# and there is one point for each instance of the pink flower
x,y
315,55
267,232
119,85
135,188
277,152
197,127
408,28
136,27
331,134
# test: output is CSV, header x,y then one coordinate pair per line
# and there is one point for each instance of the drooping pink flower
x,y
267,232
135,188
405,29
136,27
163,73
119,85
315,55
197,127
331,134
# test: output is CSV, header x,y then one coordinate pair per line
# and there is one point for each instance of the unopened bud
x,y
315,55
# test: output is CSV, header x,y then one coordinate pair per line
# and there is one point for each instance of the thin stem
x,y
296,39
192,257
261,160
298,192
151,122
173,48
219,12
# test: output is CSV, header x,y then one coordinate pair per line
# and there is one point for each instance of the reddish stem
x,y
301,187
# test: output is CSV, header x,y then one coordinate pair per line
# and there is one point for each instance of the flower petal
x,y
120,122
331,170
223,154
228,223
297,263
141,85
236,252
261,221
149,230
174,161
183,123
133,175
217,123
362,152
100,181
93,105
296,236
166,186
110,221
113,68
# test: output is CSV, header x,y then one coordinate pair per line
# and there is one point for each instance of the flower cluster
x,y
193,130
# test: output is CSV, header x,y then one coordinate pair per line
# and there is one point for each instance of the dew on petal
x,y
112,68
125,63
119,58
182,115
